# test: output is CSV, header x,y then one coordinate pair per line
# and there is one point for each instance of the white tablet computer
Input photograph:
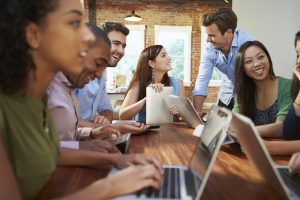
x,y
157,109
186,110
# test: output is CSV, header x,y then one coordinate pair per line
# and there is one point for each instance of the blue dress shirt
x,y
211,58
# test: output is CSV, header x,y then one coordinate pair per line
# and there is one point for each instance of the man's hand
x,y
106,131
99,119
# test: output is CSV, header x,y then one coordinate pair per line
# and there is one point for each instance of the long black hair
x,y
296,83
245,87
15,60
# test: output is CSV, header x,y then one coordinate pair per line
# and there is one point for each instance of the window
x,y
135,45
177,41
215,78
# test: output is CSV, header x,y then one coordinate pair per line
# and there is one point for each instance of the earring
x,y
152,75
83,53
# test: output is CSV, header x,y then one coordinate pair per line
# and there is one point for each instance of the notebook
x,y
277,176
157,110
188,182
186,110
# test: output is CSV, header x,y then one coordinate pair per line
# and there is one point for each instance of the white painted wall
x,y
274,23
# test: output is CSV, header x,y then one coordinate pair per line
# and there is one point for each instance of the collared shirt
x,y
64,108
211,58
93,98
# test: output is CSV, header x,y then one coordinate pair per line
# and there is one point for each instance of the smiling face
x,y
216,39
118,45
256,63
162,62
62,37
298,53
97,59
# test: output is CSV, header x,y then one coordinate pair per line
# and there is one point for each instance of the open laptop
x,y
186,110
157,110
277,176
190,115
188,182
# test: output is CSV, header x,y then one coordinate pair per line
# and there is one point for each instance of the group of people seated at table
x,y
58,54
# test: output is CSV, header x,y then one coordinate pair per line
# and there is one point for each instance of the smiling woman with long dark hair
x,y
38,38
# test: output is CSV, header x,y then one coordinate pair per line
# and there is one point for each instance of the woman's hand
x,y
297,71
125,160
158,87
174,111
134,178
131,127
294,162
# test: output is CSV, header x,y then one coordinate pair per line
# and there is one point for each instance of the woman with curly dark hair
x,y
38,38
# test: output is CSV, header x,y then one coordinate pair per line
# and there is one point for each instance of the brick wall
x,y
158,12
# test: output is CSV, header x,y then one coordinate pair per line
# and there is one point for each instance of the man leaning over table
x,y
222,43
95,105
64,106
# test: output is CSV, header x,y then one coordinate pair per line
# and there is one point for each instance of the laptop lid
x,y
186,110
245,131
157,110
209,144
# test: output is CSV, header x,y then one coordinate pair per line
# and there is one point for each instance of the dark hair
x,y
99,34
143,73
245,87
295,83
16,62
113,26
224,18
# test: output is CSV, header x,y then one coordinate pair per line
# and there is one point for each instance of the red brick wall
x,y
158,13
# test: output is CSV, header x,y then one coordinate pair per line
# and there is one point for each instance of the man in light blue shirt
x,y
223,41
95,105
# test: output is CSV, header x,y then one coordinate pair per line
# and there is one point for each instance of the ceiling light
x,y
133,17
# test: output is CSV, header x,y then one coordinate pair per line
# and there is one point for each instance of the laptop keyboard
x,y
292,183
170,185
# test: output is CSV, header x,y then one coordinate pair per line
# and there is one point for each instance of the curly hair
x,y
16,62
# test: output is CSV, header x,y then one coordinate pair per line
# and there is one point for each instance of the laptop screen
x,y
209,144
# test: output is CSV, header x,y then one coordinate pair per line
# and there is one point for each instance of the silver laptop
x,y
188,182
157,110
277,176
186,110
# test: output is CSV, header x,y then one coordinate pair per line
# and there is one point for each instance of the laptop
x,y
190,115
157,110
188,182
186,110
277,176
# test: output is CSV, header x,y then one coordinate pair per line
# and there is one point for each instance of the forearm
x,y
101,189
83,123
108,114
271,130
71,157
283,148
130,111
198,102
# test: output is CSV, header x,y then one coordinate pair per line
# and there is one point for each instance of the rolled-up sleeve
x,y
205,72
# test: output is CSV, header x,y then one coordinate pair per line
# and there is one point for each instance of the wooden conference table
x,y
232,177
